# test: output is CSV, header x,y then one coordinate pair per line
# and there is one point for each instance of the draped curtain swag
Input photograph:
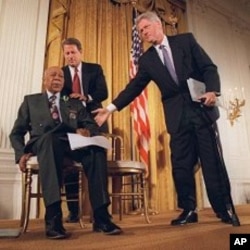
x,y
104,28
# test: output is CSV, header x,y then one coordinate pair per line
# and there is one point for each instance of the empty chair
x,y
131,173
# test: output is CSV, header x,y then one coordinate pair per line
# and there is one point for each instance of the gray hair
x,y
149,15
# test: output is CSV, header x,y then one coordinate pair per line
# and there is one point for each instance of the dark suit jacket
x,y
34,117
93,83
190,61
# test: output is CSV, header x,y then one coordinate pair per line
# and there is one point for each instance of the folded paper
x,y
77,141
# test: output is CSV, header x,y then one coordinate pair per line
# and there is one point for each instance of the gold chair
x,y
28,194
131,174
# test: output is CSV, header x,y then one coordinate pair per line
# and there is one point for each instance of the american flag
x,y
139,107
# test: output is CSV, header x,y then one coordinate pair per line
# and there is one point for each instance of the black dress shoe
x,y
54,228
54,234
187,216
72,218
225,217
108,228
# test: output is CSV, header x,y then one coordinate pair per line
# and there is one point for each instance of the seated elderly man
x,y
48,117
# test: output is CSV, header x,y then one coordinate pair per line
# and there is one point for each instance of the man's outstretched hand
x,y
102,114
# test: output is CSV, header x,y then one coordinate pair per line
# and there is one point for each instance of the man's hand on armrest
x,y
23,161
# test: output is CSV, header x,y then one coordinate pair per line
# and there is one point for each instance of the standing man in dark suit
x,y
48,117
91,89
170,62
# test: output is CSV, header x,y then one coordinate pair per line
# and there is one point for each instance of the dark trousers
x,y
51,149
196,141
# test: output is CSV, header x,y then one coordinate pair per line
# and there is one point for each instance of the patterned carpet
x,y
208,234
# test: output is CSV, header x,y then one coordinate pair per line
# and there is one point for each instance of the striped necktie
x,y
54,109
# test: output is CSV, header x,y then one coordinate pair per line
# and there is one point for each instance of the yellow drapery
x,y
104,28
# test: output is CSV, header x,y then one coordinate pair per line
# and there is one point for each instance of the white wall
x,y
222,28
23,27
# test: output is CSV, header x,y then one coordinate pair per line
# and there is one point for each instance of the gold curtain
x,y
104,28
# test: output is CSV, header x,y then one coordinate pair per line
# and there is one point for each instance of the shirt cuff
x,y
111,108
217,93
89,98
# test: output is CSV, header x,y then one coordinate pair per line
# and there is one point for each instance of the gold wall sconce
x,y
233,103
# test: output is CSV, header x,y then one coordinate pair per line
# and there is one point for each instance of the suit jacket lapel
x,y
156,60
85,78
43,104
67,77
162,70
64,110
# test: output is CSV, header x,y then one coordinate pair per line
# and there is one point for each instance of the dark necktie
x,y
76,83
168,63
54,109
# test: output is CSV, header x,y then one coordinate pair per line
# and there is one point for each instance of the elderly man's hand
x,y
23,161
78,96
83,132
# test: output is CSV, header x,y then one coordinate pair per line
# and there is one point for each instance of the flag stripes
x,y
139,107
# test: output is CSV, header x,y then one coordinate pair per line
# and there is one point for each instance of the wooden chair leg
x,y
38,201
145,199
120,207
23,199
123,187
27,201
80,198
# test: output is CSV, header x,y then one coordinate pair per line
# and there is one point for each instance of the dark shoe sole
x,y
190,218
56,237
182,223
227,221
113,232
225,218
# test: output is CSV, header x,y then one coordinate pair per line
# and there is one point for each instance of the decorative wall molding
x,y
239,23
23,32
200,6
10,186
239,26
240,192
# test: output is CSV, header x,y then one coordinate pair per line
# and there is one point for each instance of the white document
x,y
196,89
77,141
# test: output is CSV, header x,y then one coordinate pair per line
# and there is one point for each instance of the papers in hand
x,y
197,89
77,141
